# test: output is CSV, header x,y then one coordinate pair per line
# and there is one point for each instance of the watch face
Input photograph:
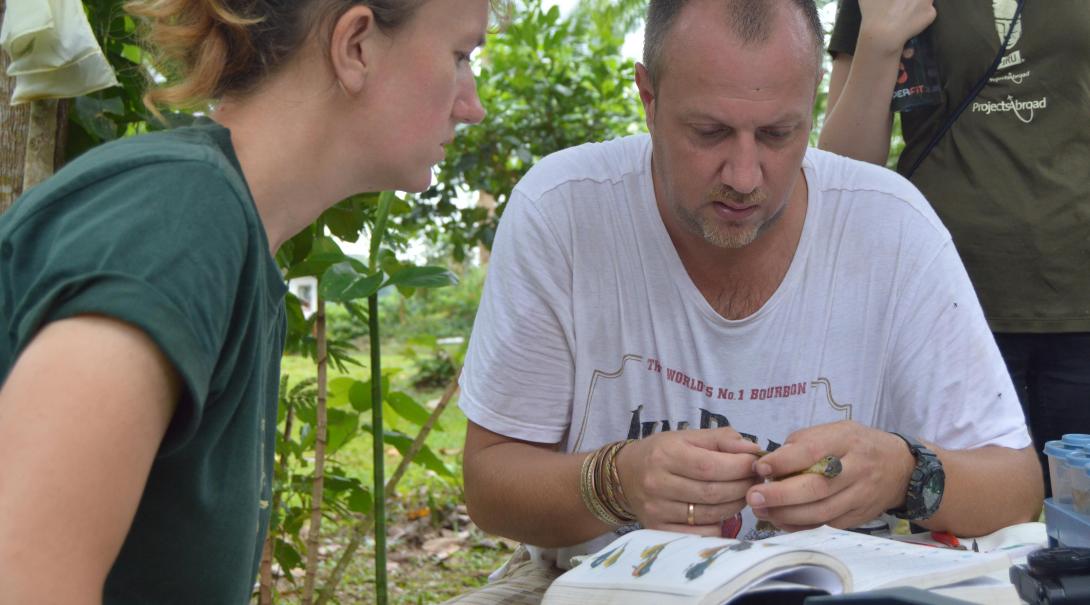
x,y
932,491
925,486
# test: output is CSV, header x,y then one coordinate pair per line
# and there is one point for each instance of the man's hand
x,y
665,473
888,24
876,469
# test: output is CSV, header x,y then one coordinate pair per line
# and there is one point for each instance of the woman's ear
x,y
353,47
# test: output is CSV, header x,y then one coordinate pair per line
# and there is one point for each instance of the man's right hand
x,y
888,24
709,468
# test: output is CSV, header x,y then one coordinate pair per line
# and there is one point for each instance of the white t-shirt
x,y
590,329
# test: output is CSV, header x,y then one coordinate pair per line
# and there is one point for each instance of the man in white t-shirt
x,y
721,277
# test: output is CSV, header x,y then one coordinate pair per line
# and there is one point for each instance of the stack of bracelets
x,y
601,486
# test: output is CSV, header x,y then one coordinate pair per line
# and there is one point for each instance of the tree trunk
x,y
264,574
31,137
41,142
319,459
13,130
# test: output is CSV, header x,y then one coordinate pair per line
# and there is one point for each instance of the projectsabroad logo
x,y
1023,109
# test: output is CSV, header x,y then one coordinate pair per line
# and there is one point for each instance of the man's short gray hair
x,y
749,20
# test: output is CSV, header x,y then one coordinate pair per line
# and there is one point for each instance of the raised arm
x,y
530,492
858,120
82,415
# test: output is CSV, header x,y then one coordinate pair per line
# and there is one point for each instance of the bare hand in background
x,y
890,23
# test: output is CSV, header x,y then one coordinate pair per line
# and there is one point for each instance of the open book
x,y
665,568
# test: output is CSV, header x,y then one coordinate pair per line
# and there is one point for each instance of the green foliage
x,y
447,312
344,495
119,111
548,83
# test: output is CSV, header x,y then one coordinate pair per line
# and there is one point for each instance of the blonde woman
x,y
142,310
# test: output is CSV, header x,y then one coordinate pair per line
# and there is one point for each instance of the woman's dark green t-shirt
x,y
161,231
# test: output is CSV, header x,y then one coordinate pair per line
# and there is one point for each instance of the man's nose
x,y
741,169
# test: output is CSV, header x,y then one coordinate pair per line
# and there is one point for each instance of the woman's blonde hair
x,y
208,49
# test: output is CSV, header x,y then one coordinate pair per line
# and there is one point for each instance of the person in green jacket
x,y
142,312
1009,177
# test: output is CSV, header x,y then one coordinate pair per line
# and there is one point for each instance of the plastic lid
x,y
1058,448
1077,457
1077,438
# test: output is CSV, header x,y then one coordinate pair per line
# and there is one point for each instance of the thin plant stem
x,y
379,453
268,553
319,460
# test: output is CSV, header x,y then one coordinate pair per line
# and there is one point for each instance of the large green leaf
x,y
360,393
346,218
341,425
296,249
422,277
408,408
338,389
360,501
342,283
297,321
388,262
93,114
337,481
287,556
324,253
424,457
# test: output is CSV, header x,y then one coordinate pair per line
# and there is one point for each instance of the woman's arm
x,y
82,414
858,119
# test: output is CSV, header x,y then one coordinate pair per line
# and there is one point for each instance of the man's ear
x,y
353,47
647,94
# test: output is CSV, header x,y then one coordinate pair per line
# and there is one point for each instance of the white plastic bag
x,y
53,51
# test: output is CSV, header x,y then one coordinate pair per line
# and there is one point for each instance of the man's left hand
x,y
876,469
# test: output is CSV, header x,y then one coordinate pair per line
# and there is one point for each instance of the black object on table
x,y
1054,576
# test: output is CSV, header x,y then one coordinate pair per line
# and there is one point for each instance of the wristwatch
x,y
925,486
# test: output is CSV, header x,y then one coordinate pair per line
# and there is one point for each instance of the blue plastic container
x,y
1080,491
1074,463
1059,479
1065,527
